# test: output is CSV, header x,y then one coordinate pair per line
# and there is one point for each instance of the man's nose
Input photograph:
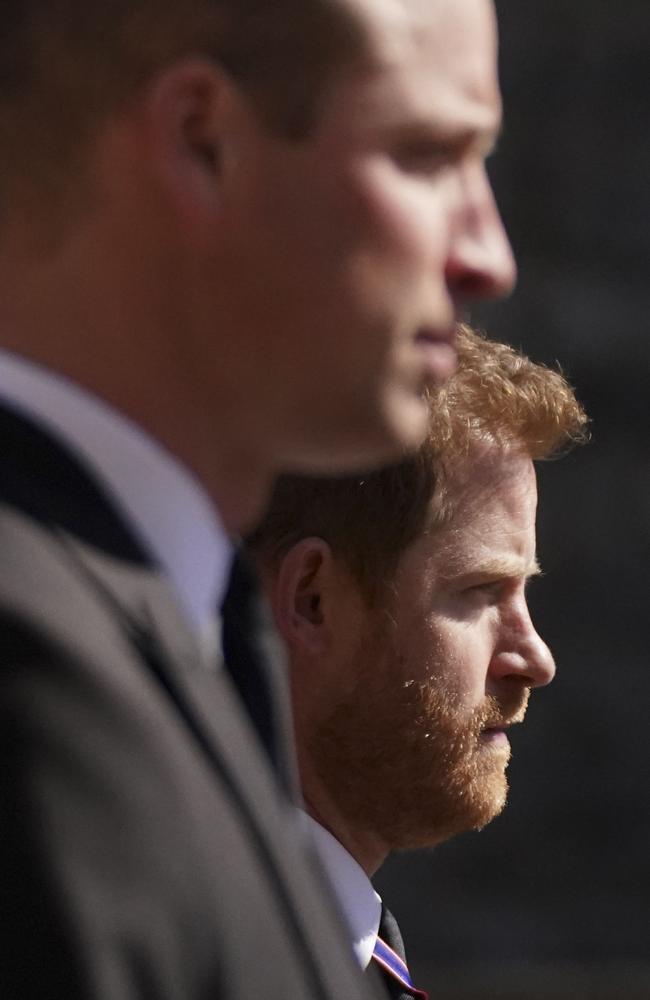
x,y
481,264
522,653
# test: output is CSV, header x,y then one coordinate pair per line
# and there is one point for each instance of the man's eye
x,y
421,158
488,591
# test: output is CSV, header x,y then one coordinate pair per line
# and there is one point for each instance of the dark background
x,y
553,899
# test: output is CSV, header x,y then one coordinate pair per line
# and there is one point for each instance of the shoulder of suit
x,y
43,588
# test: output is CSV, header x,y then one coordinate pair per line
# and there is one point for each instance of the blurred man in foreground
x,y
234,238
402,598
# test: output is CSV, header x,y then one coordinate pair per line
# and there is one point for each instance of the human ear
x,y
300,595
185,119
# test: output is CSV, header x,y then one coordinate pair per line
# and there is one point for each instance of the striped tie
x,y
390,957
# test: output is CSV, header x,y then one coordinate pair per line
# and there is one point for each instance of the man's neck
x,y
98,316
367,849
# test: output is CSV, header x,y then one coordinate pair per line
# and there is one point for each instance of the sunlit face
x,y
347,257
412,746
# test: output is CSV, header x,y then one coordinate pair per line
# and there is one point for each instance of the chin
x,y
361,446
460,811
489,804
407,418
482,802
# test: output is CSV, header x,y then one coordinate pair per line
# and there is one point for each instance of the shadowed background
x,y
553,899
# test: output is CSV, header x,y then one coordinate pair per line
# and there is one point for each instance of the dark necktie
x,y
389,955
255,660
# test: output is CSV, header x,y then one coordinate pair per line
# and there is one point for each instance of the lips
x,y
438,351
501,725
495,735
431,335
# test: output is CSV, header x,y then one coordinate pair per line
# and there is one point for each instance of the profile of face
x,y
402,709
343,260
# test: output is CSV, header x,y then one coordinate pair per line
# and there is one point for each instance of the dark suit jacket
x,y
145,851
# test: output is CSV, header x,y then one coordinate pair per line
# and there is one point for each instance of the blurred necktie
x,y
389,955
255,660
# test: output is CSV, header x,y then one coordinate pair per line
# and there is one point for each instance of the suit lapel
x,y
213,712
144,603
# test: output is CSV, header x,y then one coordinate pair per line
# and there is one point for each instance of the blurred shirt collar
x,y
165,506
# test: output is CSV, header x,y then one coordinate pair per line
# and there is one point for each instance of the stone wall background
x,y
553,899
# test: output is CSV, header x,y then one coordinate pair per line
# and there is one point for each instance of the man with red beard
x,y
401,596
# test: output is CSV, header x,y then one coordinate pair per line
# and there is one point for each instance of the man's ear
x,y
301,595
186,118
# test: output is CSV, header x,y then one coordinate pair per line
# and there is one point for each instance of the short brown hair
x,y
66,64
496,396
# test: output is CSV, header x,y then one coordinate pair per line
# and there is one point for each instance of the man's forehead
x,y
439,56
474,553
492,497
453,25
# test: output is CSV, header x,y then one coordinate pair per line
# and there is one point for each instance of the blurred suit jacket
x,y
145,850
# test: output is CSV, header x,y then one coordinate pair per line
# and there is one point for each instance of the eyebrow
x,y
499,568
484,140
510,567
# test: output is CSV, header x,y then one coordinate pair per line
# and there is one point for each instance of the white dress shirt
x,y
165,506
358,900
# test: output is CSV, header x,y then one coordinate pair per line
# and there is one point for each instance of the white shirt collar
x,y
358,900
165,505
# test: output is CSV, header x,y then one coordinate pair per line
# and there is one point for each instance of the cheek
x,y
464,656
404,217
